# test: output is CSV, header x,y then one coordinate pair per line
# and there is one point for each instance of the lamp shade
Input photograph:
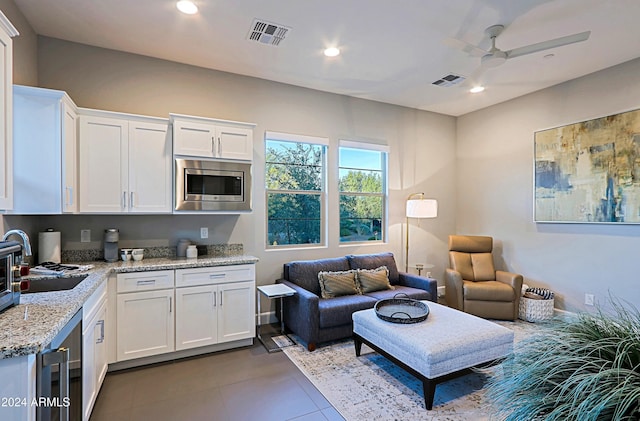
x,y
422,208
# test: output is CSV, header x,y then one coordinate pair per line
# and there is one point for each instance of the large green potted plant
x,y
584,368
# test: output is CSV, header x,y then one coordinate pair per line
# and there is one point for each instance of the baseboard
x,y
170,356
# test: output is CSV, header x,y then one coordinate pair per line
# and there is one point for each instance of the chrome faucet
x,y
25,240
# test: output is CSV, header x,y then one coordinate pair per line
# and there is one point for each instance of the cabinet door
x,y
69,159
194,139
144,324
89,391
150,186
236,308
196,316
103,164
234,143
6,120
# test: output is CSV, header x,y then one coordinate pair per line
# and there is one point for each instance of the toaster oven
x,y
10,252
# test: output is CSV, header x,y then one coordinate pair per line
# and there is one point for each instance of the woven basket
x,y
536,310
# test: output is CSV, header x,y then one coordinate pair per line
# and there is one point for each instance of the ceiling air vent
x,y
449,80
267,33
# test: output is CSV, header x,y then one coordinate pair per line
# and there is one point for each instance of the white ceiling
x,y
391,50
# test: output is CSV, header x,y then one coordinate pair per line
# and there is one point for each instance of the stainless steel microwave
x,y
211,185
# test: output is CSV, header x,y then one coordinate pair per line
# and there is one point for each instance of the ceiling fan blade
x,y
545,45
464,46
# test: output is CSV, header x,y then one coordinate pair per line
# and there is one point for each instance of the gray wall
x,y
495,174
422,144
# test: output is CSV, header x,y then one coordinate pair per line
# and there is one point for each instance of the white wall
x,y
495,149
422,144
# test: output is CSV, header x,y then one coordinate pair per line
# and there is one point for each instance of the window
x,y
363,192
295,189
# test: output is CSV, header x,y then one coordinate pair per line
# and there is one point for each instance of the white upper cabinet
x,y
211,138
7,31
150,181
125,163
44,152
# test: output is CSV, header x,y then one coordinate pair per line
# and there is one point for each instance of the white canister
x,y
192,252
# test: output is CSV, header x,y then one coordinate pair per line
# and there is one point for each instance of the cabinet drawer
x,y
145,281
214,275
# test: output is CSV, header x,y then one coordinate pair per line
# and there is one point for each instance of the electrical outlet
x,y
204,232
589,299
85,236
441,290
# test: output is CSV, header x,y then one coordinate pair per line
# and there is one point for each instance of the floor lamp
x,y
418,207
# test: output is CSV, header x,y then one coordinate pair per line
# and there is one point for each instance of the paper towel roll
x,y
49,246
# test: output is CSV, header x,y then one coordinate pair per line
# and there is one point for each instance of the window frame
x,y
384,150
322,193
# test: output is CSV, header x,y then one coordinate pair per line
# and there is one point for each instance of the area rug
x,y
370,387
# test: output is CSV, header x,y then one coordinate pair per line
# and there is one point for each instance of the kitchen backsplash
x,y
90,255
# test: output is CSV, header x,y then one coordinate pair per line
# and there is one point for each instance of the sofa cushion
x,y
337,311
373,261
336,284
305,272
414,293
370,280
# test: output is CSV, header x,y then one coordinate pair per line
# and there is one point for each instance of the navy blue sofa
x,y
316,320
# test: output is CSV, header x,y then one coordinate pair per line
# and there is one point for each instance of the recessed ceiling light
x,y
332,52
476,89
188,7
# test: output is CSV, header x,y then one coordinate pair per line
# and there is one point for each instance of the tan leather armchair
x,y
474,286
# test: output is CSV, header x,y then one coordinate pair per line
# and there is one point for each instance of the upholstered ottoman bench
x,y
442,347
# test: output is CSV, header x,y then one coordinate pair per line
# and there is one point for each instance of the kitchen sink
x,y
53,284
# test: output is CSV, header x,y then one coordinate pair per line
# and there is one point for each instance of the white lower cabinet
x,y
214,305
196,316
144,323
94,348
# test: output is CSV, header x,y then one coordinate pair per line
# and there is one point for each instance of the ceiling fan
x,y
495,57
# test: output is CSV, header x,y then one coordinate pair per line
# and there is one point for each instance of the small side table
x,y
271,292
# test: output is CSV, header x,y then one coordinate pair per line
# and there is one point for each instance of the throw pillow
x,y
335,284
370,280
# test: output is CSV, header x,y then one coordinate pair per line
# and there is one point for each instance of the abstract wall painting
x,y
589,172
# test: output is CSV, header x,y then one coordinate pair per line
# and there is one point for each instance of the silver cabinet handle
x,y
219,148
101,338
217,275
131,200
124,200
220,298
214,300
146,282
170,306
69,196
213,146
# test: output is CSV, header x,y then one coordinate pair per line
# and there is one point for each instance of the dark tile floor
x,y
242,384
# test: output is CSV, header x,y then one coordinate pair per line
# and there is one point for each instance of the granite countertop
x,y
30,326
